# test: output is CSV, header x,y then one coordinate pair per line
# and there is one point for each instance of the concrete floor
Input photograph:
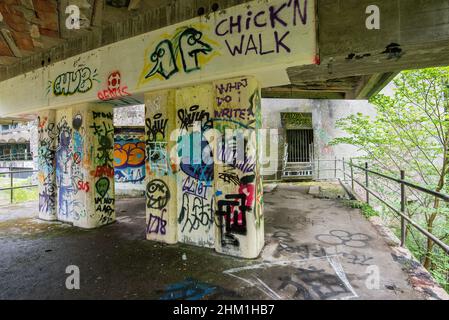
x,y
315,249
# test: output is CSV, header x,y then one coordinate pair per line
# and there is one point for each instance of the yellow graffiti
x,y
188,49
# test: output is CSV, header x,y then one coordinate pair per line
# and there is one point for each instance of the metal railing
x,y
11,187
400,212
25,156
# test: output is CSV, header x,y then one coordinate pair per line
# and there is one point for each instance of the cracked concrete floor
x,y
315,249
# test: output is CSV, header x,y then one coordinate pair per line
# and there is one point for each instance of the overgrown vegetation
x,y
411,133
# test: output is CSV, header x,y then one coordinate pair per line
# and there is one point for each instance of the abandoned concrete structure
x,y
200,68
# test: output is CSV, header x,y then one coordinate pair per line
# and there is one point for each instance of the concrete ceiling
x,y
355,62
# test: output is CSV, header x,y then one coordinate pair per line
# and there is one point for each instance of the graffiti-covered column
x,y
64,159
160,180
92,169
238,185
194,112
46,165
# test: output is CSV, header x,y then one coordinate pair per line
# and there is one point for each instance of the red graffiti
x,y
83,186
249,191
115,88
103,171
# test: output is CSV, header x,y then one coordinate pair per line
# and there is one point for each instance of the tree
x,y
411,133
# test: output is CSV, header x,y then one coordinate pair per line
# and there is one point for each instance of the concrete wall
x,y
325,113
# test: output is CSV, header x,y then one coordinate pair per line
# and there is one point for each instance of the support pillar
x,y
92,166
238,184
194,110
160,180
46,165
84,169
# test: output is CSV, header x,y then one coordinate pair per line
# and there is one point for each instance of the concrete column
x,y
195,179
160,180
92,166
46,165
238,185
84,165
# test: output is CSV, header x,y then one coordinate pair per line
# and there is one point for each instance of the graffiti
x,y
156,128
46,158
129,154
321,278
187,47
104,133
302,251
77,122
361,260
63,168
158,194
191,116
314,284
195,187
105,206
158,158
157,224
233,154
105,115
69,83
195,166
341,237
197,215
229,178
233,211
188,289
129,160
84,186
287,14
114,89
101,171
102,186
228,88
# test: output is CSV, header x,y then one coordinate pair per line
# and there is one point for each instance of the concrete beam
x,y
86,40
412,34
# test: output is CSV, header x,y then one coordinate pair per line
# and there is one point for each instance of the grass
x,y
366,209
19,195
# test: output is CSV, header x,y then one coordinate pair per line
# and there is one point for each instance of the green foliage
x,y
410,132
366,209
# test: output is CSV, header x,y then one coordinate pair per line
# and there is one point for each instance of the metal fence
x,y
24,156
401,213
11,187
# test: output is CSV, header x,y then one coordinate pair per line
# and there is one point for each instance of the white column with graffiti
x,y
194,112
46,165
161,189
99,145
238,185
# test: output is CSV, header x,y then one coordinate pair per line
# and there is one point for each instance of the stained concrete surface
x,y
315,249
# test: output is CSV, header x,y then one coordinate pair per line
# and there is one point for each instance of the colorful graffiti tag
x,y
129,159
115,88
